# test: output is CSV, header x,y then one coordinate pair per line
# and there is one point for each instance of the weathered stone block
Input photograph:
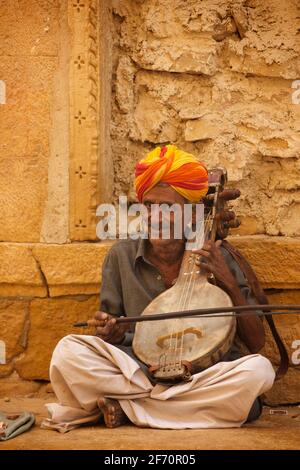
x,y
163,101
251,62
285,390
191,56
276,260
26,116
249,225
19,272
72,269
175,90
29,29
269,46
21,202
50,320
288,327
125,80
200,130
249,98
13,329
25,121
153,121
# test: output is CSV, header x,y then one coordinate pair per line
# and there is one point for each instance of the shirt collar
x,y
141,251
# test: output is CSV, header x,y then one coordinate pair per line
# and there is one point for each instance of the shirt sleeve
x,y
240,278
111,298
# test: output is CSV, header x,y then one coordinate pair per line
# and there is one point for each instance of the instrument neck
x,y
189,270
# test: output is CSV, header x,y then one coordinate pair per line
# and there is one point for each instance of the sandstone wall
x,y
83,104
34,121
215,77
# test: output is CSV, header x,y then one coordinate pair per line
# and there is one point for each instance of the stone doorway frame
x,y
91,173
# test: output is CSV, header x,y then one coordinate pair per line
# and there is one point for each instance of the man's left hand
x,y
212,261
225,215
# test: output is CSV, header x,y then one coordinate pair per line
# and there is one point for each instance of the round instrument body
x,y
200,341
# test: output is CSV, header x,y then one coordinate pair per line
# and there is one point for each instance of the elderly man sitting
x,y
99,375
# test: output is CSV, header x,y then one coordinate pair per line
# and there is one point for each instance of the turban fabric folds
x,y
181,170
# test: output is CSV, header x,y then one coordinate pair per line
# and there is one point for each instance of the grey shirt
x,y
130,282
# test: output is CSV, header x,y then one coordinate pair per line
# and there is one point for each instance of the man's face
x,y
162,194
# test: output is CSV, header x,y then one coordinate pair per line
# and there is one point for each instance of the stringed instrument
x,y
173,349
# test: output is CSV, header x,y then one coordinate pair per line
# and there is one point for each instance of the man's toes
x,y
112,412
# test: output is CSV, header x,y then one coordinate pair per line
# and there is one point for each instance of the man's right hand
x,y
107,328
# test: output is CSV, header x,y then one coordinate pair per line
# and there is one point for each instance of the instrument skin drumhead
x,y
204,341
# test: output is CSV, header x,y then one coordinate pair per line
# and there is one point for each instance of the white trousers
x,y
84,368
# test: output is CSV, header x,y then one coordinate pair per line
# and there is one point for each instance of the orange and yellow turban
x,y
181,170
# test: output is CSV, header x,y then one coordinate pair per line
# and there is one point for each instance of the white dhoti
x,y
85,368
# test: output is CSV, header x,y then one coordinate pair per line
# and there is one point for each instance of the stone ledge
x,y
32,270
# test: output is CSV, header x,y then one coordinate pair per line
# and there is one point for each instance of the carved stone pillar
x,y
88,174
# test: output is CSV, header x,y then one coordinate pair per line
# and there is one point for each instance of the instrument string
x,y
188,290
189,276
172,351
189,287
195,279
184,290
182,302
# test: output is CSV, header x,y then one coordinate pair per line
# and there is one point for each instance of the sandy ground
x,y
271,431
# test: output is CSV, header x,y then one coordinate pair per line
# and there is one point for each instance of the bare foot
x,y
113,414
